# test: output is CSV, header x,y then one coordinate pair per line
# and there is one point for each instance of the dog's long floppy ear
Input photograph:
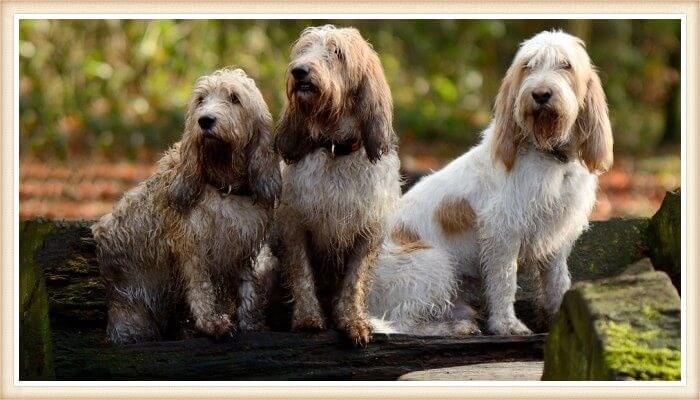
x,y
292,140
594,129
373,106
187,187
507,135
264,178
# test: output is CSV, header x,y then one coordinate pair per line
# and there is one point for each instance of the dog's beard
x,y
219,163
306,93
305,104
548,128
318,101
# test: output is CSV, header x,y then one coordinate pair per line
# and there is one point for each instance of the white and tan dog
x,y
519,199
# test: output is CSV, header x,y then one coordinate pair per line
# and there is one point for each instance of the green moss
x,y
650,313
31,238
608,247
627,327
629,352
35,346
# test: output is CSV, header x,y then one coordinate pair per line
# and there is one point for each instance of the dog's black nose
x,y
206,122
300,72
541,96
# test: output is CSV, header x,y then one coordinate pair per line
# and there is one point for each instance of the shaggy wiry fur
x,y
333,209
191,229
519,199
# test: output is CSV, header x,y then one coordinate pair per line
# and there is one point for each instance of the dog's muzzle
x,y
210,135
305,87
302,79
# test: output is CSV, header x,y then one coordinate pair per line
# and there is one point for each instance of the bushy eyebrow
x,y
199,91
549,57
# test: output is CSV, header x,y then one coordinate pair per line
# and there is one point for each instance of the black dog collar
x,y
559,154
228,190
341,148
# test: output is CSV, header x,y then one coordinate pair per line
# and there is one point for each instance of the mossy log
x,y
621,328
35,343
66,255
74,294
665,237
608,247
65,252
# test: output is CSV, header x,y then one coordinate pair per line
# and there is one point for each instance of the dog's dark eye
x,y
234,99
566,65
338,53
200,100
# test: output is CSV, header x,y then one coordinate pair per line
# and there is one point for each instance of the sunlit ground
x,y
87,189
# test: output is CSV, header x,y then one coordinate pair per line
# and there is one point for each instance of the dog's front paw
x,y
308,322
215,325
359,332
507,326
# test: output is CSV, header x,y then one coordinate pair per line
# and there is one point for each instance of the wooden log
x,y
65,252
279,356
77,296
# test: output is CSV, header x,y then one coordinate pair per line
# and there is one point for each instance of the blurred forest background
x,y
101,99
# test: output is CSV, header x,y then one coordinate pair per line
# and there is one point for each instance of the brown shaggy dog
x,y
341,177
191,230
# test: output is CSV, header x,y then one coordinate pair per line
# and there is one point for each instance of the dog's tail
x,y
411,286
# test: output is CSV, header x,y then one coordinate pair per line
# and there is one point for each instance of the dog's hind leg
x,y
464,319
457,328
460,322
249,306
413,289
554,281
131,322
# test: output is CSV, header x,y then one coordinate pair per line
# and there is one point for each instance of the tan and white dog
x,y
191,230
519,199
340,180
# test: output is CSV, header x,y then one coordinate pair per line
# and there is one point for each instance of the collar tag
x,y
333,149
225,191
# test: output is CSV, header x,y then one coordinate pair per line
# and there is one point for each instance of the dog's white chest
x,y
231,225
551,207
338,197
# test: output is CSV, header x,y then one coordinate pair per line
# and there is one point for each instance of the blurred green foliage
x,y
118,87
